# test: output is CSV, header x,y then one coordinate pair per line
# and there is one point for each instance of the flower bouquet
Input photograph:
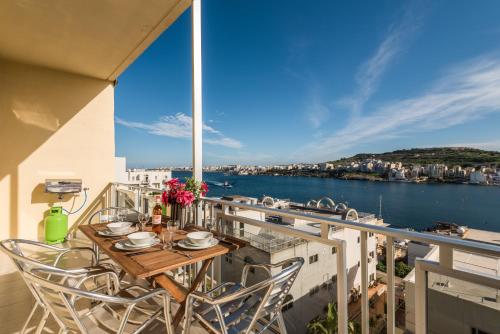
x,y
182,195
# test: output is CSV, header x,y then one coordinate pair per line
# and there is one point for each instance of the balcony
x,y
59,69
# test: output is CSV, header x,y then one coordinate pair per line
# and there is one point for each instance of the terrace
x,y
59,62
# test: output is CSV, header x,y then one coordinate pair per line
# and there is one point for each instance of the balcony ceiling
x,y
97,38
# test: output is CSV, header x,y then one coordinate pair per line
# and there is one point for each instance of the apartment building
x,y
454,305
316,284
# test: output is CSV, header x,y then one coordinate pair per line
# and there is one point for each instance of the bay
x,y
403,204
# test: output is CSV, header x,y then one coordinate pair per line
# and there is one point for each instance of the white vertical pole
x,y
391,309
365,311
420,299
446,256
197,99
342,288
197,92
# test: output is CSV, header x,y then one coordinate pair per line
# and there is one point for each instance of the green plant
x,y
381,266
329,323
401,269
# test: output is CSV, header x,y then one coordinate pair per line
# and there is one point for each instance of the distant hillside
x,y
462,156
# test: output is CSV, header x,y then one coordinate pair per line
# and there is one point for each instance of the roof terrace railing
x,y
215,209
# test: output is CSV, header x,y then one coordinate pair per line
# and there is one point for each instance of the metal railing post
x,y
420,299
342,309
114,197
446,256
365,311
391,309
137,199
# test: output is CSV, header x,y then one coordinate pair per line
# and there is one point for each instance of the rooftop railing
x,y
215,209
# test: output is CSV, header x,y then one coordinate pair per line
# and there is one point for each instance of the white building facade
x,y
315,285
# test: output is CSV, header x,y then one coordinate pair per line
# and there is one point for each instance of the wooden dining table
x,y
153,263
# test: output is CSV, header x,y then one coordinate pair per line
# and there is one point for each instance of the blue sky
x,y
310,81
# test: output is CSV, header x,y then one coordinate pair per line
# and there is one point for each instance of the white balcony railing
x,y
214,209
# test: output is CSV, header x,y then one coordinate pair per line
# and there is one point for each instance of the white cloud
x,y
317,112
370,72
467,92
180,126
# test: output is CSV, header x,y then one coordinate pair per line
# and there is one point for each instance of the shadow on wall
x,y
35,103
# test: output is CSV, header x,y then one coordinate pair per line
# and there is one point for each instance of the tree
x,y
329,323
401,269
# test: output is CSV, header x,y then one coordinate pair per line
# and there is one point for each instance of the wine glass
x,y
143,219
122,215
221,230
167,239
209,224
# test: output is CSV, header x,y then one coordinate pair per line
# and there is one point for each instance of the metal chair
x,y
112,212
82,311
29,255
235,307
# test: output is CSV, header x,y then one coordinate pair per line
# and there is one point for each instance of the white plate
x,y
128,245
108,233
184,243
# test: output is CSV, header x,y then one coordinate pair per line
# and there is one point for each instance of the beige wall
x,y
52,125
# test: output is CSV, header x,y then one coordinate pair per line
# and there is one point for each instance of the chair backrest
x,y
60,299
281,284
16,249
131,214
264,298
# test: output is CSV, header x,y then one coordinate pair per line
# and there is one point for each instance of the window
x,y
334,250
313,258
372,277
372,254
314,291
370,234
359,240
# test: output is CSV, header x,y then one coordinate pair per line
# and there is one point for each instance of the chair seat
x,y
105,317
102,320
237,313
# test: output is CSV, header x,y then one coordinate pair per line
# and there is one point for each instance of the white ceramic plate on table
x,y
184,243
128,245
108,233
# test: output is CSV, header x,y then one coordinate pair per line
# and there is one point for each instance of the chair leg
x,y
41,325
281,323
33,310
167,313
187,317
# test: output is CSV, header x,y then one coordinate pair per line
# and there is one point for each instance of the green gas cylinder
x,y
56,226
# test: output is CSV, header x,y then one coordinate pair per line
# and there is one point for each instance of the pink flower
x,y
204,189
185,198
164,197
173,184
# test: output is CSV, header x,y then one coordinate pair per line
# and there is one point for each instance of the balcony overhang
x,y
95,38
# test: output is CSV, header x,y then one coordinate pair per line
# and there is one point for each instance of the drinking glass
x,y
221,230
122,215
143,219
172,227
209,224
167,239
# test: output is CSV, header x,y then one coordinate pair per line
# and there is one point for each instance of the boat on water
x,y
224,184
